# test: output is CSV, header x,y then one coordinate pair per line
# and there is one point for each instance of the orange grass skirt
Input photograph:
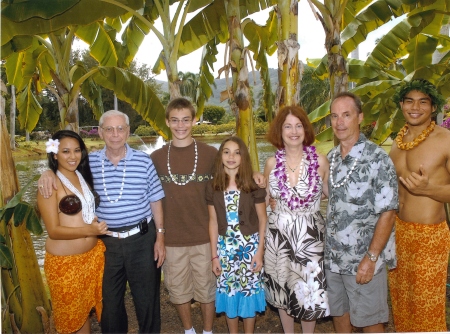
x,y
75,284
418,284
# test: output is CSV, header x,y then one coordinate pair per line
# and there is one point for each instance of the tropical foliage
x,y
412,41
37,42
25,305
213,114
38,61
314,91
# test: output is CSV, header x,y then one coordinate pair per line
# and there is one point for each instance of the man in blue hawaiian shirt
x,y
363,198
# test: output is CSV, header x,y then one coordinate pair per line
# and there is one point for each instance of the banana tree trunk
x,y
288,70
12,118
62,78
174,90
337,65
173,79
22,285
67,103
241,102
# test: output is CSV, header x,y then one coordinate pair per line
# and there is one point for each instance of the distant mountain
x,y
221,86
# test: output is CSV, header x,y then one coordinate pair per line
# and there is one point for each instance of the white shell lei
x,y
174,179
87,199
346,178
123,178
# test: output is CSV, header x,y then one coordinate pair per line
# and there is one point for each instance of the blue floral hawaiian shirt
x,y
354,208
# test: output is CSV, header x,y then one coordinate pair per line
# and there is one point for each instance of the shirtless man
x,y
421,155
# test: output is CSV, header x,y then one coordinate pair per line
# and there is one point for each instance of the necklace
x,y
174,179
347,177
293,170
123,179
87,198
420,138
289,194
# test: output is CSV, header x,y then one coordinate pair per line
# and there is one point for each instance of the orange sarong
x,y
75,283
418,284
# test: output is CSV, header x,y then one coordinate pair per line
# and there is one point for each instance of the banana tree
x,y
25,304
262,42
238,92
37,42
280,33
200,29
346,24
211,25
288,67
37,61
413,41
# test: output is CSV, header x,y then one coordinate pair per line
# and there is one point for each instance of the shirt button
x,y
241,222
240,212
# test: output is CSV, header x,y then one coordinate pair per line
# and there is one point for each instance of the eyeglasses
x,y
176,121
110,129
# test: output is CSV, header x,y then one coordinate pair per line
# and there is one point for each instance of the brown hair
x,y
244,176
178,104
356,100
276,127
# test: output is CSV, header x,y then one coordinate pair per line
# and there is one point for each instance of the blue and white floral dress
x,y
240,292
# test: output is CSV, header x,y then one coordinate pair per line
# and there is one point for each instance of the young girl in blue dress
x,y
237,223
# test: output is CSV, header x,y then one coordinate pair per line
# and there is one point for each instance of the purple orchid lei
x,y
286,193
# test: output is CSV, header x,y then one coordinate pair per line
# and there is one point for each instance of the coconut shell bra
x,y
76,202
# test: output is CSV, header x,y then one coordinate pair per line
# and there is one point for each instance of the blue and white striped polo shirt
x,y
141,186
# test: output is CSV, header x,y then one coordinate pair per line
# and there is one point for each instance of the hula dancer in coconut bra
x,y
74,258
421,155
293,261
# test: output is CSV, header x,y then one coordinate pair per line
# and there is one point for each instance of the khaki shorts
x,y
366,303
188,274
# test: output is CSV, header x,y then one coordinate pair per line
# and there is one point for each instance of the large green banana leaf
x,y
208,23
29,108
132,89
103,44
206,77
372,17
262,42
420,14
35,17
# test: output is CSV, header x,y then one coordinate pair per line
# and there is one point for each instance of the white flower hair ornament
x,y
52,146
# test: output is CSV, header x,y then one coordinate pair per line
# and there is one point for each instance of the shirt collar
x,y
356,150
128,156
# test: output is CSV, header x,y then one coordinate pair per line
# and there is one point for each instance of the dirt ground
x,y
269,322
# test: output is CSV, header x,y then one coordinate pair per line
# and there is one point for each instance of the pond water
x,y
37,166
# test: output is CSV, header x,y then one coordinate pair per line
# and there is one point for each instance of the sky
x,y
311,38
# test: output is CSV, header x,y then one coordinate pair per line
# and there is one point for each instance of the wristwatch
x,y
161,230
372,257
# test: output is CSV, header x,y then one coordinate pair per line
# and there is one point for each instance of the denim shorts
x,y
366,303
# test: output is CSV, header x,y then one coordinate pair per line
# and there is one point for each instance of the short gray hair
x,y
110,113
